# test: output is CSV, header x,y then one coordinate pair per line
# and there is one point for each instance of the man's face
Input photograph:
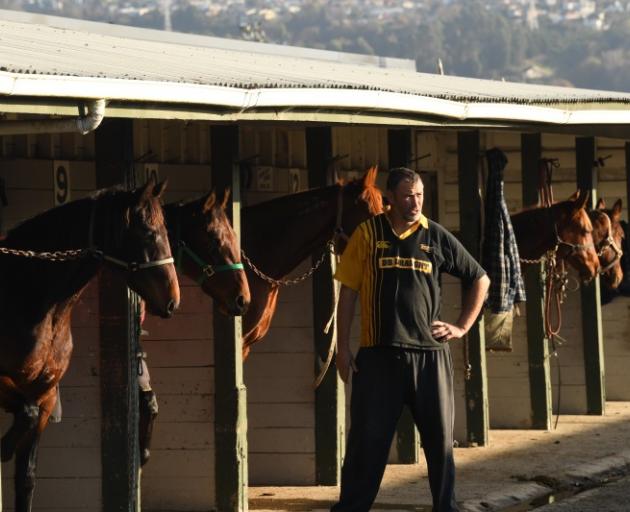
x,y
407,199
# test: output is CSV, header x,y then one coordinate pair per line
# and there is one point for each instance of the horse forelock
x,y
218,223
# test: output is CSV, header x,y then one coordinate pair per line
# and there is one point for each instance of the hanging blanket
x,y
500,258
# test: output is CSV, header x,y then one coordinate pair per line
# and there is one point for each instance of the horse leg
x,y
148,412
24,419
26,453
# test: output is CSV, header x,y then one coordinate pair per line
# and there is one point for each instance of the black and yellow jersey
x,y
397,277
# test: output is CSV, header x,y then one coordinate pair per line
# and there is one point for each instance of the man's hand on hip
x,y
443,331
345,362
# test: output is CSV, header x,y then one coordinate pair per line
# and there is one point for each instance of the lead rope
x,y
555,277
332,349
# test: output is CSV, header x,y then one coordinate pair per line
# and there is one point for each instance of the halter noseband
x,y
207,269
129,266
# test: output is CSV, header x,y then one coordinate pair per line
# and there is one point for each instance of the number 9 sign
x,y
61,181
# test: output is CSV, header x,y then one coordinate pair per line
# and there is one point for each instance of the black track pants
x,y
388,379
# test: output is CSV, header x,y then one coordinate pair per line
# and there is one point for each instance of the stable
x,y
266,121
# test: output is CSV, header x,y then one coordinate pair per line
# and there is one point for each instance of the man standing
x,y
393,261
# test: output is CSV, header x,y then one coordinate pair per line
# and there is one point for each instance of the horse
x,y
206,250
123,229
279,234
608,235
563,227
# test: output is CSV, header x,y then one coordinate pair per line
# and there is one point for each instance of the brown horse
x,y
608,237
564,226
124,229
207,251
279,234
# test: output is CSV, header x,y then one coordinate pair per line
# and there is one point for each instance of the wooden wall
x,y
279,372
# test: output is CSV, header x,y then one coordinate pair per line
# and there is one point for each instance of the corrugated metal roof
x,y
146,34
36,49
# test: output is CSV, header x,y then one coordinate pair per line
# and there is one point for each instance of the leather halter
x,y
207,269
129,266
608,243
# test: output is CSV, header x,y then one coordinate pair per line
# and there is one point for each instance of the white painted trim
x,y
243,100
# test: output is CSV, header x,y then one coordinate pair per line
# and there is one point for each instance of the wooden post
x,y
589,293
537,343
118,340
330,410
477,417
230,394
399,152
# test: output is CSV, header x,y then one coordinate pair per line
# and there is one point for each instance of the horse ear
x,y
226,198
209,201
159,189
145,192
574,197
616,210
601,204
581,200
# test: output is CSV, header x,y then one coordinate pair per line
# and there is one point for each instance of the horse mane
x,y
34,227
372,194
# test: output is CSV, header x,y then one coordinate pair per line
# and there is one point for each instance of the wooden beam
x,y
230,394
118,330
330,410
399,152
399,148
477,417
537,342
590,294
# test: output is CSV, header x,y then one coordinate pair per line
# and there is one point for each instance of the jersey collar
x,y
422,221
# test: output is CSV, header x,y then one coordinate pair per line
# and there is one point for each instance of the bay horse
x,y
608,235
206,250
123,229
279,234
564,226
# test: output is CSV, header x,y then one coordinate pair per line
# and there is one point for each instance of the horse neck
x,y
59,229
534,231
172,219
278,237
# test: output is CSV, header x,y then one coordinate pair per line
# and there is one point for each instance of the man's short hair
x,y
398,174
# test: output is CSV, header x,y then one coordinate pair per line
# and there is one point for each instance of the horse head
x,y
208,251
361,199
144,241
574,235
608,237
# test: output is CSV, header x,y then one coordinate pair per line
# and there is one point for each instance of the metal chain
x,y
294,281
72,254
539,260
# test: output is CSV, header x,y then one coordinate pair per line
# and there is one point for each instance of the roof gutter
x,y
83,124
243,100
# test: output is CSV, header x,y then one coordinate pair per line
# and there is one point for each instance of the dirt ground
x,y
511,457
